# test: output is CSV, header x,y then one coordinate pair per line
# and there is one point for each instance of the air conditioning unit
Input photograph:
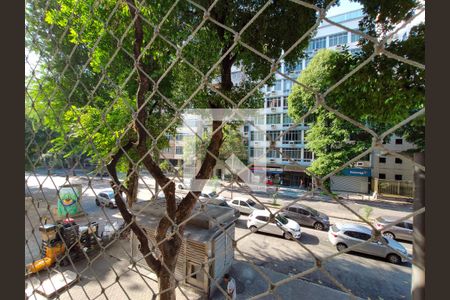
x,y
291,142
256,143
272,160
273,126
273,109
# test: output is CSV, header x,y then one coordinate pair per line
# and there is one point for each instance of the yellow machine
x,y
55,238
51,254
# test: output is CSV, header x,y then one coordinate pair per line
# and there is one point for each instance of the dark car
x,y
307,216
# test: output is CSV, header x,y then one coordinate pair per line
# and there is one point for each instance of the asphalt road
x,y
364,275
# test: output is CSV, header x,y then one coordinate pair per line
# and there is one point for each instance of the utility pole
x,y
418,261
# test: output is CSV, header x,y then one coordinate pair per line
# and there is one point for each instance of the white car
x,y
347,235
244,205
280,225
106,198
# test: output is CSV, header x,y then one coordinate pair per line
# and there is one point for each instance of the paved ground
x,y
365,276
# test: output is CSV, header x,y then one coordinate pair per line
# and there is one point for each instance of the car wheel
x,y
341,247
110,205
389,235
318,226
288,236
97,202
253,229
394,258
180,186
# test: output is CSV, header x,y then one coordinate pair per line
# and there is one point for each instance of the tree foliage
x,y
380,95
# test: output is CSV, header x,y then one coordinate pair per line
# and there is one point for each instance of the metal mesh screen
x,y
82,112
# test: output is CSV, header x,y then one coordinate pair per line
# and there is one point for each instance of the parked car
x,y
244,205
400,231
280,225
106,198
211,195
307,216
224,203
347,235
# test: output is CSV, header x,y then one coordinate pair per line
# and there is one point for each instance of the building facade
x,y
275,120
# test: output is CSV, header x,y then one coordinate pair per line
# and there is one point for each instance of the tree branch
x,y
150,259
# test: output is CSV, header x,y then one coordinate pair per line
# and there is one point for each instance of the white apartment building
x,y
275,119
388,167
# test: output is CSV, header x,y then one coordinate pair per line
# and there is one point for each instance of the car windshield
x,y
224,204
251,202
110,194
282,219
212,194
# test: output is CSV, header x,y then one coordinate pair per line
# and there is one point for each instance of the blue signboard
x,y
364,172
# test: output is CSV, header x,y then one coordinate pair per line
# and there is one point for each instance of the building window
x,y
382,176
382,160
355,37
257,136
273,135
273,119
318,43
179,150
292,153
258,120
347,16
398,177
278,85
179,136
398,160
287,121
273,102
287,86
398,141
307,155
294,69
246,128
338,39
285,101
293,136
273,153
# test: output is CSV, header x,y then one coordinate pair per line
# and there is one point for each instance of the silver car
x,y
106,198
400,231
244,205
348,235
259,220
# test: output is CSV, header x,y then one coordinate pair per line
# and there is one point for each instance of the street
x,y
363,275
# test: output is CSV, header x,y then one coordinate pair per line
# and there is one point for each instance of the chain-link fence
x,y
109,81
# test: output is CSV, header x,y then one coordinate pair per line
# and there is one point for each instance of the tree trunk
x,y
166,285
132,185
418,261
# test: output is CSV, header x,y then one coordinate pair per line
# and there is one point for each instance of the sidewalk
x,y
250,283
132,285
